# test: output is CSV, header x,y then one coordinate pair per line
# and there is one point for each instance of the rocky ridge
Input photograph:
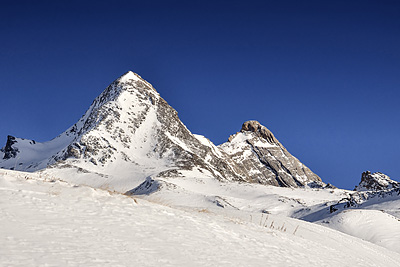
x,y
130,134
373,188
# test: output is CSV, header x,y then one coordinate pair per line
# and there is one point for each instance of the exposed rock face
x,y
375,182
256,150
260,131
372,186
130,133
9,150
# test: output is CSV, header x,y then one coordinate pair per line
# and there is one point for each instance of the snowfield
x,y
46,222
375,226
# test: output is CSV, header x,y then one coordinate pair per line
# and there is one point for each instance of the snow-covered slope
x,y
372,225
372,215
51,223
130,134
380,215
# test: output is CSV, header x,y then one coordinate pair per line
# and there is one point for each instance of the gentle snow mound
x,y
372,225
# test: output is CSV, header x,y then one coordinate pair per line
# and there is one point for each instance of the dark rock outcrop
x,y
375,182
9,150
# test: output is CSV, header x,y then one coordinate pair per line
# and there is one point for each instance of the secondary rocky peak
x,y
259,130
375,182
256,150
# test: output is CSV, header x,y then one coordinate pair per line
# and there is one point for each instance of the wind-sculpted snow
x,y
376,226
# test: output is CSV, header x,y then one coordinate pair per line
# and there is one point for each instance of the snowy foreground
x,y
52,223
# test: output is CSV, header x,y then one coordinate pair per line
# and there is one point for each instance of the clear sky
x,y
323,76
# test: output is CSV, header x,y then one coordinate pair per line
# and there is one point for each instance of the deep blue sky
x,y
323,76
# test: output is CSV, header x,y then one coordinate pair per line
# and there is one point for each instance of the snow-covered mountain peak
x,y
130,82
129,76
115,114
130,134
133,78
